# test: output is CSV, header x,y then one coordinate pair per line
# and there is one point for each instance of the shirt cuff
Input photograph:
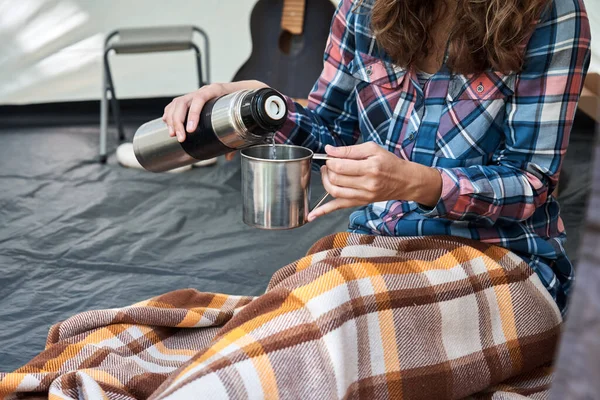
x,y
448,198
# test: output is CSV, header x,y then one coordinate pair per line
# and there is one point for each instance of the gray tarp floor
x,y
76,235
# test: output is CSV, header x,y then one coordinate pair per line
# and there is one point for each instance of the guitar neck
x,y
292,18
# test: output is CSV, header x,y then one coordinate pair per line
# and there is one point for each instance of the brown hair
x,y
486,34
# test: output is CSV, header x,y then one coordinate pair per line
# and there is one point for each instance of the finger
x,y
345,180
179,114
194,113
198,101
347,167
168,118
340,192
230,156
332,206
356,152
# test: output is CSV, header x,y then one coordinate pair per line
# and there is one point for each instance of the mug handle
x,y
321,201
324,157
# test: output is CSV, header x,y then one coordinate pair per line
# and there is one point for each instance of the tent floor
x,y
76,235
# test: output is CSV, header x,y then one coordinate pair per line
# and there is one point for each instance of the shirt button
x,y
369,71
411,137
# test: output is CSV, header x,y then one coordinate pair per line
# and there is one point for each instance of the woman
x,y
465,109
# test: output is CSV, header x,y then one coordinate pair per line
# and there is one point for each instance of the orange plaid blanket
x,y
358,317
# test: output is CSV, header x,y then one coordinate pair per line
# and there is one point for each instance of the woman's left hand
x,y
367,173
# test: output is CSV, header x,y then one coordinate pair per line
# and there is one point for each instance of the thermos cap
x,y
275,107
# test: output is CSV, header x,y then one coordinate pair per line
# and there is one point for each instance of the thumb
x,y
356,152
333,205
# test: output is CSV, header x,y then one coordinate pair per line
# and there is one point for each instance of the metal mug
x,y
276,192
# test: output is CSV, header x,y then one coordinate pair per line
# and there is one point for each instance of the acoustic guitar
x,y
288,41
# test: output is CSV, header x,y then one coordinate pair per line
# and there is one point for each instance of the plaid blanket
x,y
358,317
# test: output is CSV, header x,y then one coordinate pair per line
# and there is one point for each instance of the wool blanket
x,y
359,317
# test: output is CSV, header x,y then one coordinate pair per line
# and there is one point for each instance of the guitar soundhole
x,y
289,43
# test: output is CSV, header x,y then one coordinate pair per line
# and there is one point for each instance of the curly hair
x,y
487,33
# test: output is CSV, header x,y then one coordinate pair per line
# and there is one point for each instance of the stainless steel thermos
x,y
234,121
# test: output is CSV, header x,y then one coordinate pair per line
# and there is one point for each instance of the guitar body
x,y
288,63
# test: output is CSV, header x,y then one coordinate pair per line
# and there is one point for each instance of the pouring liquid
x,y
271,142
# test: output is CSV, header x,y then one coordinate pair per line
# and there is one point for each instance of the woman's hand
x,y
367,173
190,105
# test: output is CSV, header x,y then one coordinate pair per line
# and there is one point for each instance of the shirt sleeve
x,y
331,116
539,117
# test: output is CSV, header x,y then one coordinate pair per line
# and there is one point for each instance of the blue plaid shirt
x,y
497,139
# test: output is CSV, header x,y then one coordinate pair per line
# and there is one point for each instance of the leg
x,y
113,97
360,316
117,115
419,318
103,118
206,55
198,65
531,385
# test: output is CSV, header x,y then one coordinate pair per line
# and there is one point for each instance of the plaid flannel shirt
x,y
497,139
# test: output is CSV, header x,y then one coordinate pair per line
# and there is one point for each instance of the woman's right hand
x,y
191,104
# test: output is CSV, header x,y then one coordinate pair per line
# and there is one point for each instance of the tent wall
x,y
50,50
593,9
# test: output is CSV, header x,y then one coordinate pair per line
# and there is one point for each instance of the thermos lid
x,y
269,111
275,107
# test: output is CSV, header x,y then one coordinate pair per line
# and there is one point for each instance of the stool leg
x,y
103,118
117,115
199,65
114,103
